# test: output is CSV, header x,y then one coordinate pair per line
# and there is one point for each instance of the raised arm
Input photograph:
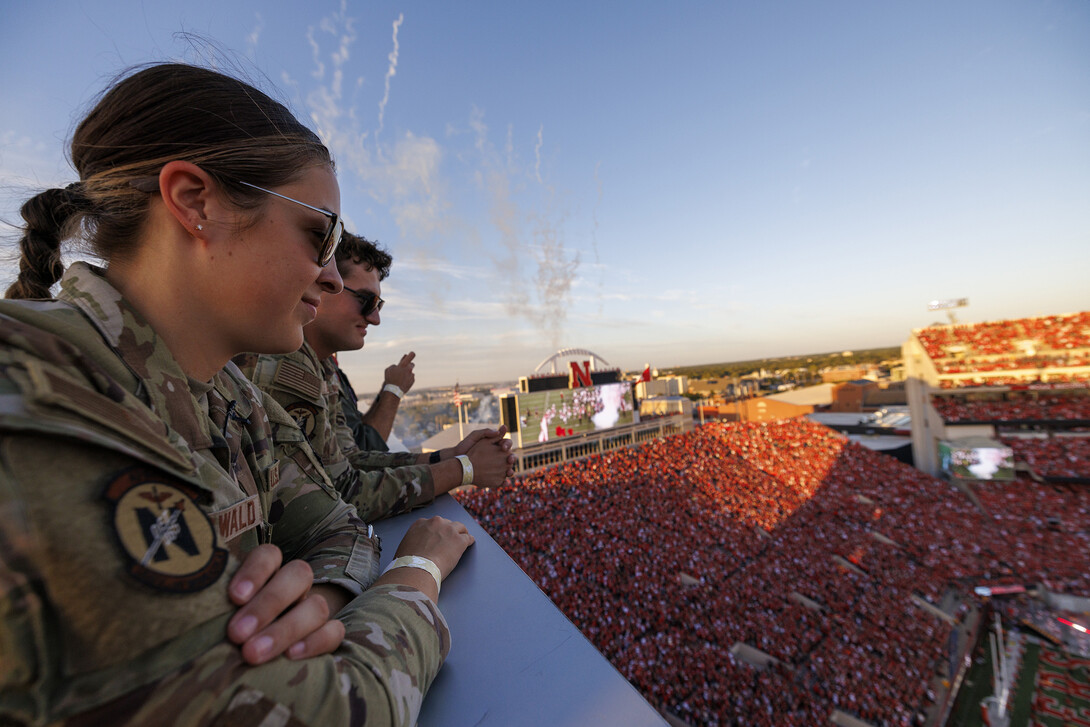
x,y
399,378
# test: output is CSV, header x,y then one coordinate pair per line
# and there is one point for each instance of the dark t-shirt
x,y
365,435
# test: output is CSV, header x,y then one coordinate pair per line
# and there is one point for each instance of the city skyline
x,y
672,185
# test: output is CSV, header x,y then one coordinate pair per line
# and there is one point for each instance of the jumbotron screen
x,y
975,462
548,415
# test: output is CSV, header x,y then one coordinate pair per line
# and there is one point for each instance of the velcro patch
x,y
306,416
293,377
168,538
57,391
238,518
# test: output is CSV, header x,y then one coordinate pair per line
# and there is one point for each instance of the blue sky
x,y
672,183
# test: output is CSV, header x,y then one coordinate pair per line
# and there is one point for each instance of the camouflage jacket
x,y
379,484
128,495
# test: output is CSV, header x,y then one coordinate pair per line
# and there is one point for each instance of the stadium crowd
x,y
1057,333
785,537
1053,457
1007,363
1043,408
998,380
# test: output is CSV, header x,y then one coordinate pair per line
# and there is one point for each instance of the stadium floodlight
x,y
949,305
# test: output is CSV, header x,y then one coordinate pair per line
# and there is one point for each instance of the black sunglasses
x,y
333,231
369,302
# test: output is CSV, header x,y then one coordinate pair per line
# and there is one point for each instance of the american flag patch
x,y
290,375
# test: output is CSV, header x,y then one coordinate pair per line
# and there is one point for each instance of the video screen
x,y
548,415
977,463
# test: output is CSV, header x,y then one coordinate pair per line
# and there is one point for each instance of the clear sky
x,y
672,183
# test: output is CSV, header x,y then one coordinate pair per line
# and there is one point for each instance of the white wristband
x,y
467,469
394,389
417,561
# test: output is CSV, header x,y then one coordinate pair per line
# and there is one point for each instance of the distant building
x,y
666,386
760,409
849,396
849,373
663,405
817,396
707,387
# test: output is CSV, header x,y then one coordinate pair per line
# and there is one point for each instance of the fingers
x,y
303,630
492,463
258,567
401,374
287,586
323,641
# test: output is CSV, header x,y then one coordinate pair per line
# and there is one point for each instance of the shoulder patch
x,y
290,375
306,416
53,390
168,539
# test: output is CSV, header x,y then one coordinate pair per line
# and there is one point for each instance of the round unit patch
x,y
168,538
306,416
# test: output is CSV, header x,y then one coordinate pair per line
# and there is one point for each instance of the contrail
x,y
390,73
537,152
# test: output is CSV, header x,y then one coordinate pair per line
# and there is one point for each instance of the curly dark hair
x,y
361,251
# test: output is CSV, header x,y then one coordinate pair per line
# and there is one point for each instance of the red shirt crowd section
x,y
1044,408
617,540
1077,377
969,365
1053,457
1000,337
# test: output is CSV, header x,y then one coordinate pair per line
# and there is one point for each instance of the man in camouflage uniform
x,y
129,494
306,384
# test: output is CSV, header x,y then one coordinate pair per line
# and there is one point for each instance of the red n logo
x,y
580,376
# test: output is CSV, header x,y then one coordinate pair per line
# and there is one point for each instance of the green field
x,y
1060,678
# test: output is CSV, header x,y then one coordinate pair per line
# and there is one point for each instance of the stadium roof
x,y
820,395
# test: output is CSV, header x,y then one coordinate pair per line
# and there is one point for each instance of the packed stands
x,y
1056,348
1033,373
1027,374
1017,408
1053,457
785,537
1043,334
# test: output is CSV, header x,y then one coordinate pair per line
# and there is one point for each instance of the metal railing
x,y
566,449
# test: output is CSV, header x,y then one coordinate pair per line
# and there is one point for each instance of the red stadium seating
x,y
751,514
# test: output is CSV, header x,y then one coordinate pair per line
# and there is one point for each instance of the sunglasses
x,y
369,302
333,231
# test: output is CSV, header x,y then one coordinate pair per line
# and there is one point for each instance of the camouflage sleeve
x,y
312,522
396,641
24,678
377,484
379,493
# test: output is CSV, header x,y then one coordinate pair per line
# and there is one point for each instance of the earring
x,y
200,227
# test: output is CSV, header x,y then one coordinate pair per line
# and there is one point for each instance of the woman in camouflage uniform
x,y
171,551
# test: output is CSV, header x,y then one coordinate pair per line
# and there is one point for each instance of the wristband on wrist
x,y
467,469
417,561
394,389
435,457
